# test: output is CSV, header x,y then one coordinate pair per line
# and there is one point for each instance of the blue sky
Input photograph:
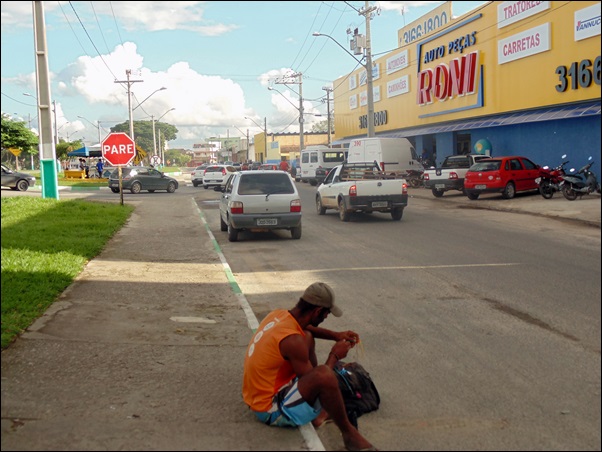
x,y
215,59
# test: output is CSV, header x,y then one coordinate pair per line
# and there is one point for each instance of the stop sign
x,y
118,149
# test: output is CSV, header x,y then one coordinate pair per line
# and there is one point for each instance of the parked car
x,y
505,175
197,174
259,201
16,180
217,175
255,165
138,178
269,166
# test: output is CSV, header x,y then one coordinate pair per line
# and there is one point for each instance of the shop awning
x,y
541,114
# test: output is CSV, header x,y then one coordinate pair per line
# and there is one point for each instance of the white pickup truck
x,y
362,187
450,176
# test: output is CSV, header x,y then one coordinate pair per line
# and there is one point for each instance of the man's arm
x,y
323,333
294,349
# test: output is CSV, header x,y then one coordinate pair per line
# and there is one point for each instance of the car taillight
x,y
453,175
426,177
204,172
223,171
296,205
236,207
404,188
353,190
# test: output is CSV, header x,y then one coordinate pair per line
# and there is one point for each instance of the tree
x,y
321,126
15,134
143,134
177,157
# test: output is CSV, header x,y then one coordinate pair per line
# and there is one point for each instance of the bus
x,y
316,161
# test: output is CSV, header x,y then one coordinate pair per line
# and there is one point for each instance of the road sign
x,y
118,149
156,160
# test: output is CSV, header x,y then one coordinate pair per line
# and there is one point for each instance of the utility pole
x,y
328,91
367,13
299,76
265,132
128,73
47,145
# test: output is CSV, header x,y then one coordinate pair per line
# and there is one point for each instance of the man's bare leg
x,y
321,383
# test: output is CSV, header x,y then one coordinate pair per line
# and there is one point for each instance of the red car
x,y
505,175
269,166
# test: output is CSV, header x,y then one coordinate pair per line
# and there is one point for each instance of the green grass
x,y
44,249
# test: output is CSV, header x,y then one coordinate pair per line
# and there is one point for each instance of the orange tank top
x,y
265,370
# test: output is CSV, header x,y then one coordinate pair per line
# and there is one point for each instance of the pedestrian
x,y
82,164
99,167
282,382
283,165
87,168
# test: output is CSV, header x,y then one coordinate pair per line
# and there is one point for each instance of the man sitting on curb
x,y
282,382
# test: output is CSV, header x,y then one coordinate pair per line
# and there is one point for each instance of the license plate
x,y
480,187
267,222
380,203
439,185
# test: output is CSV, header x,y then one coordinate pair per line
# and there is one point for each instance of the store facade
x,y
522,78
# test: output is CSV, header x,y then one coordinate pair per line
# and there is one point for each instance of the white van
x,y
317,160
392,154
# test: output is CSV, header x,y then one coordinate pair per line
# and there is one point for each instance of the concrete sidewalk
x,y
144,350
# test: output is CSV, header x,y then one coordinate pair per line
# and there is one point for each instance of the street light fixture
x,y
154,139
147,97
265,132
97,126
367,66
56,136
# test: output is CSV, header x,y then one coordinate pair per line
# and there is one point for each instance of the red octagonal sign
x,y
118,149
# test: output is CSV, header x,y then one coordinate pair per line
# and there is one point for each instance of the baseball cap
x,y
321,294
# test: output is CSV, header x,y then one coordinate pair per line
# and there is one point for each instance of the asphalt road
x,y
480,327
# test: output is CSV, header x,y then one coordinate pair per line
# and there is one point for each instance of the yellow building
x,y
284,145
522,78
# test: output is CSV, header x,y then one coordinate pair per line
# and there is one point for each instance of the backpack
x,y
358,389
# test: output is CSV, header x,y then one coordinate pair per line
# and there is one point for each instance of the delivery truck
x,y
391,154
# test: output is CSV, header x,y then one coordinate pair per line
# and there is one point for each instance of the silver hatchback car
x,y
259,201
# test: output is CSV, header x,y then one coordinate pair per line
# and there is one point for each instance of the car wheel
x,y
343,214
319,207
171,187
205,187
232,233
509,191
437,193
472,195
296,232
194,184
22,185
114,190
222,224
313,182
397,213
136,188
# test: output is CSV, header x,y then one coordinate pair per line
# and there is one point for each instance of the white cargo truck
x,y
391,154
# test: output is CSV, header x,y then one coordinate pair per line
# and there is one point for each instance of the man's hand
x,y
350,336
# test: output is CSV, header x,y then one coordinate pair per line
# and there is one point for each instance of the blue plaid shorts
x,y
289,409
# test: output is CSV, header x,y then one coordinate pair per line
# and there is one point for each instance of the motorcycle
x,y
415,178
551,180
583,182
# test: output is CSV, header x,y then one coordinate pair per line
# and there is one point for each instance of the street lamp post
x,y
154,140
265,132
328,91
247,153
367,11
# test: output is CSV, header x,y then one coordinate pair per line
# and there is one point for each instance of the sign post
x,y
119,150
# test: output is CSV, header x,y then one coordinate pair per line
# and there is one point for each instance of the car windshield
x,y
489,165
265,184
